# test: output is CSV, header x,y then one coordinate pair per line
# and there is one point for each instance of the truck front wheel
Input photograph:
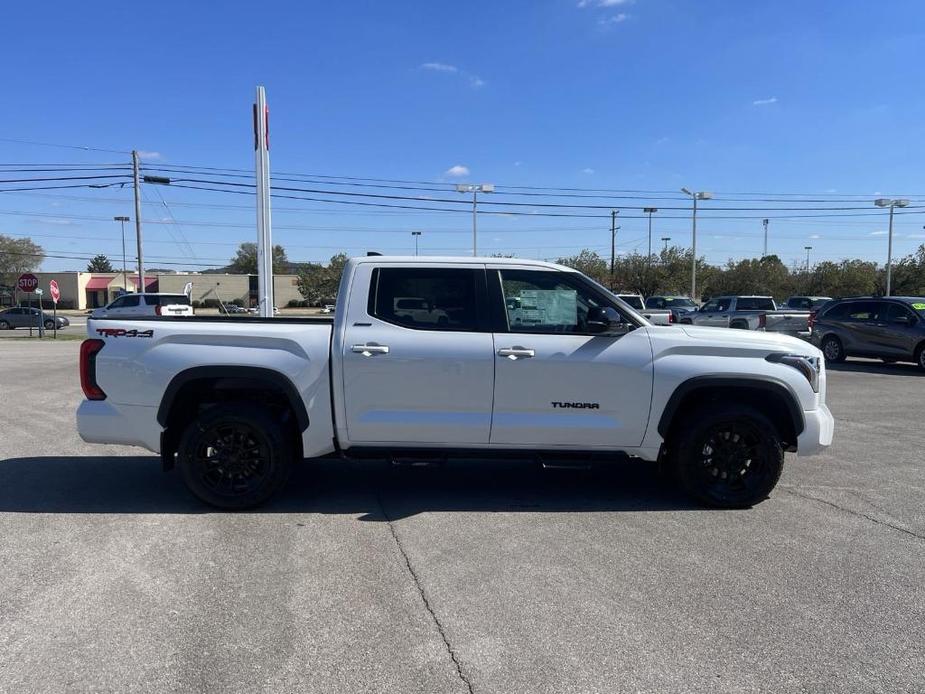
x,y
234,456
730,457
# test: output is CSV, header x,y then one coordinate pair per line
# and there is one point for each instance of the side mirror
x,y
600,321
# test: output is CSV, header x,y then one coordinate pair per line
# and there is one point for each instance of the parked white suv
x,y
147,304
525,359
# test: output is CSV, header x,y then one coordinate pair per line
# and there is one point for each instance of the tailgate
x,y
787,322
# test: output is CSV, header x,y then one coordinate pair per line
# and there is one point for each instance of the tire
x,y
833,350
218,440
686,321
739,325
4,325
920,356
730,457
49,325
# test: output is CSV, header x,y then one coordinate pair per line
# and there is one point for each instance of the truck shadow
x,y
372,491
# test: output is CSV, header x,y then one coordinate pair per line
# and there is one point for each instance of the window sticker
x,y
544,307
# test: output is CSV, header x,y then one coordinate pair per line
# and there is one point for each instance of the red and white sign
x,y
54,291
27,282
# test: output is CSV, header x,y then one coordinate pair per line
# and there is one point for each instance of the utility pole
x,y
613,247
264,229
807,249
764,223
649,211
666,239
137,181
415,234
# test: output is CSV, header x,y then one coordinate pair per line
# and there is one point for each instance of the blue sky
x,y
743,99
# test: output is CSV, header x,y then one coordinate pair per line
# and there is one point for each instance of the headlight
x,y
808,366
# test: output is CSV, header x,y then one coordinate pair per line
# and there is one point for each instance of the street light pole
x,y
666,239
123,220
700,195
886,202
807,249
764,223
475,189
415,234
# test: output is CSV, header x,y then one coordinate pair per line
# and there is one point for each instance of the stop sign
x,y
27,282
54,291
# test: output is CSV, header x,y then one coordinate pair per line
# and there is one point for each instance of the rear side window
x,y
166,299
895,311
722,304
130,300
426,298
799,302
632,300
750,303
862,311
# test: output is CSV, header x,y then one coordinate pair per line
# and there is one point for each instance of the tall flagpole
x,y
264,231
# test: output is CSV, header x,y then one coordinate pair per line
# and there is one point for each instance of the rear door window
x,y
723,304
129,301
751,303
166,299
863,311
426,298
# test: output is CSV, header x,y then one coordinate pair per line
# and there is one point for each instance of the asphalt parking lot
x,y
483,578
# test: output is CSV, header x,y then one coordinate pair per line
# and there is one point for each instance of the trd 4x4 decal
x,y
122,332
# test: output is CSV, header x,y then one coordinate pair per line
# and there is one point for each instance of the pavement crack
x,y
417,583
867,516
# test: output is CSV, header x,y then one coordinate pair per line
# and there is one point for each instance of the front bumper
x,y
819,426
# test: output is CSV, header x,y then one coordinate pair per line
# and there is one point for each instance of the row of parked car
x,y
888,328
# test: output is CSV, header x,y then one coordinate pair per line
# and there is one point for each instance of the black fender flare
x,y
258,374
756,382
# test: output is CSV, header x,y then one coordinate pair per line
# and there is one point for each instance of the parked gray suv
x,y
891,328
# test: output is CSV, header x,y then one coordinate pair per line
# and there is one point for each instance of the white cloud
x,y
603,3
764,102
616,19
149,155
878,233
474,80
518,163
587,170
915,236
457,170
815,236
439,67
831,190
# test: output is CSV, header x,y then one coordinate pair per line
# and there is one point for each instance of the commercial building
x,y
86,290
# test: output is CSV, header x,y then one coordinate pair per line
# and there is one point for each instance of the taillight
x,y
762,321
157,310
670,317
812,320
88,351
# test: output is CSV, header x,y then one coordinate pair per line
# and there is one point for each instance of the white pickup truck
x,y
533,359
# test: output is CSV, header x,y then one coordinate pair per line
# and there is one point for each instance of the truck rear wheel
x,y
234,456
730,457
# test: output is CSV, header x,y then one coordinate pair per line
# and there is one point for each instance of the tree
x,y
18,256
590,264
245,259
317,282
100,263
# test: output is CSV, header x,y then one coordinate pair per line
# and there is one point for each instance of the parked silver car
x,y
28,317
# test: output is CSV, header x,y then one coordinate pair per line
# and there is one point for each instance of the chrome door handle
x,y
514,353
370,350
